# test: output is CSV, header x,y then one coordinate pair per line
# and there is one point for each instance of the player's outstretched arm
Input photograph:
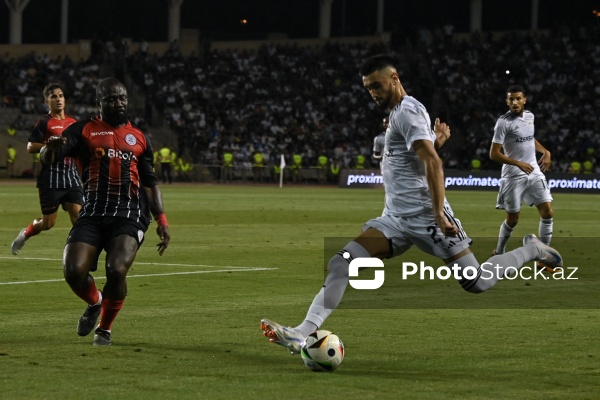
x,y
156,208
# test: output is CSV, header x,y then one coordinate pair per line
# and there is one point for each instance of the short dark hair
x,y
515,89
106,83
50,87
376,63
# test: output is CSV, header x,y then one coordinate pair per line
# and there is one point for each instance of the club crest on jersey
x,y
130,139
99,152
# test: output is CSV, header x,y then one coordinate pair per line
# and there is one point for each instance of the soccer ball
x,y
322,351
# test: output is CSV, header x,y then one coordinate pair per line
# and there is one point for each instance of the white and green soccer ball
x,y
322,351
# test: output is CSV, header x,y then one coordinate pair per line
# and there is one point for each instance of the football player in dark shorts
x,y
52,199
58,184
121,191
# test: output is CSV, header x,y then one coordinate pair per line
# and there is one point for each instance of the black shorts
x,y
50,199
98,231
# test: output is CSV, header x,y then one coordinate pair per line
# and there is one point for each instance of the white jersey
x,y
406,189
515,134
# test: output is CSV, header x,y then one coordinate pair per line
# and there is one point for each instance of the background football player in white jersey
x,y
416,211
523,180
379,141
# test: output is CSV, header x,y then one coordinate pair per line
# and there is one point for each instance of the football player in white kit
x,y
416,211
523,178
379,140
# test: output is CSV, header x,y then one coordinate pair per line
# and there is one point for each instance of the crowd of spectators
x,y
283,99
23,79
290,99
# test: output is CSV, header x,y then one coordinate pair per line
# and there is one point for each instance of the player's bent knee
x,y
117,267
75,272
547,215
116,271
77,260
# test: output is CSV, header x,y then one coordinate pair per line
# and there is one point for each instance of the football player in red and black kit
x,y
120,187
58,184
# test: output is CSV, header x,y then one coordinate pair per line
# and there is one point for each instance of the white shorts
x,y
529,189
421,231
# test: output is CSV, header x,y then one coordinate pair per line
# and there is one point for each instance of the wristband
x,y
162,219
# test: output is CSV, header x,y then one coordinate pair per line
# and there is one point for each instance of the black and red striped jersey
x,y
62,175
116,163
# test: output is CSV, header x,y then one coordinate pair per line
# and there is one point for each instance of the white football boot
x,y
18,243
282,335
549,256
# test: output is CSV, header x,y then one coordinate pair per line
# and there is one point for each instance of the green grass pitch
x,y
189,328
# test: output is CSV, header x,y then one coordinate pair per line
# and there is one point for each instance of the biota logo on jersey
x,y
112,153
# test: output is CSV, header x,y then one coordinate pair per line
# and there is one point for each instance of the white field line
x,y
135,262
214,271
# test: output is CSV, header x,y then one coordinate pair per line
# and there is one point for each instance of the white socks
x,y
333,289
544,234
545,230
503,236
494,268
